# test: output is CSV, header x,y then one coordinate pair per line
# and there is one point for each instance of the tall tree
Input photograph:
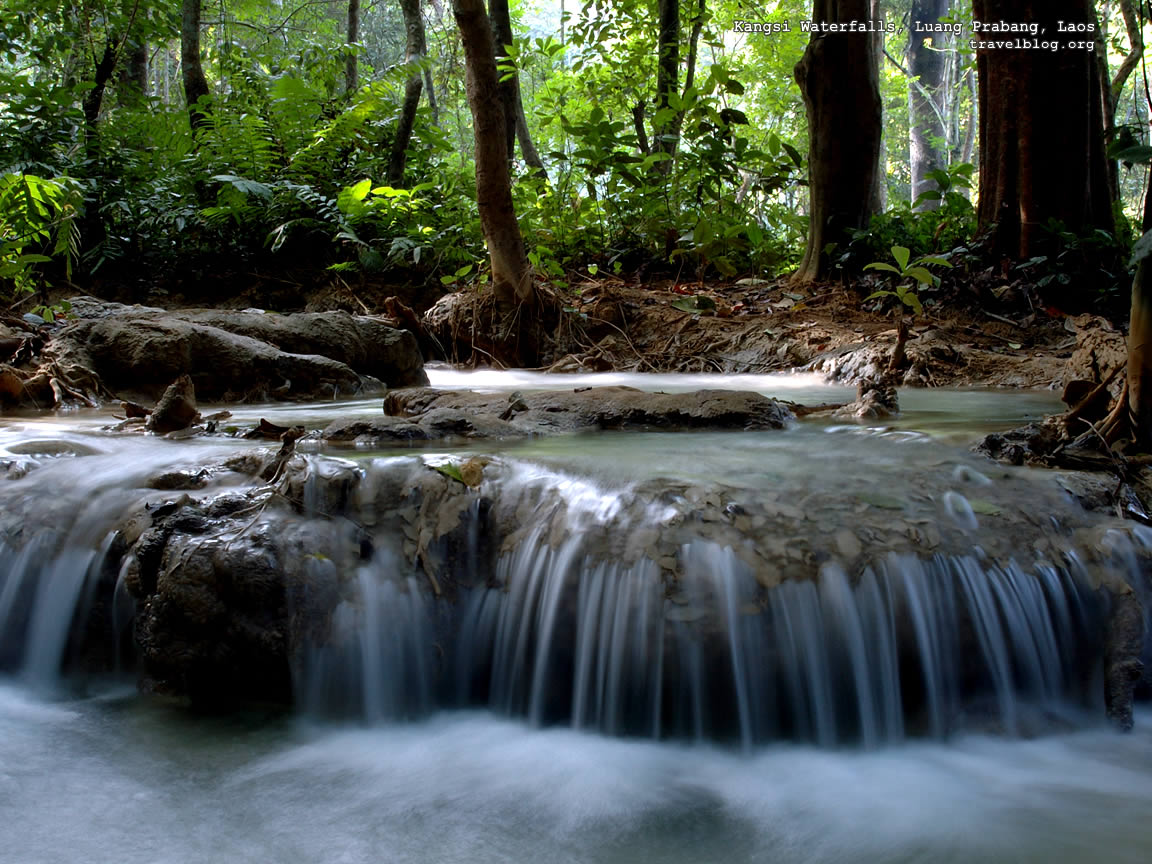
x,y
352,64
927,68
414,52
1041,130
511,275
839,81
192,67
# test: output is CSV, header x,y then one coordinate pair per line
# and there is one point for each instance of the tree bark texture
x,y
511,277
1140,345
664,137
515,123
1041,131
352,65
414,52
927,64
839,81
195,84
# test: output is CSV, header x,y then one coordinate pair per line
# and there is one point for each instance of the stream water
x,y
816,765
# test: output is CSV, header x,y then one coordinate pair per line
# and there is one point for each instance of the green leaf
x,y
452,471
920,275
1140,154
984,508
901,254
880,265
934,260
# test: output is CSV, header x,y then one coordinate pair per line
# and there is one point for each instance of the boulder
x,y
230,356
445,413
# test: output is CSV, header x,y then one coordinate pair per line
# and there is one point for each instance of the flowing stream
x,y
619,680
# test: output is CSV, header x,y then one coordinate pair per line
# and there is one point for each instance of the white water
x,y
117,782
121,781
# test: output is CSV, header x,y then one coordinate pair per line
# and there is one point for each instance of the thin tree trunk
x,y
839,81
192,68
132,82
94,98
430,89
927,56
511,276
1140,344
1112,89
502,37
880,187
690,72
352,65
414,53
664,138
528,146
515,123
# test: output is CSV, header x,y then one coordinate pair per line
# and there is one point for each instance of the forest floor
x,y
746,326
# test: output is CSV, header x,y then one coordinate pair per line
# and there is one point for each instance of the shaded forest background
x,y
168,148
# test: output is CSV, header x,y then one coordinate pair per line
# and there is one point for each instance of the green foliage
x,y
37,224
943,230
904,270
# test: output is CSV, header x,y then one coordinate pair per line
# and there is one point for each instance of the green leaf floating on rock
x,y
696,305
451,470
984,508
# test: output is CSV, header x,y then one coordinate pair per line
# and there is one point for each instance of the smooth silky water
x,y
101,775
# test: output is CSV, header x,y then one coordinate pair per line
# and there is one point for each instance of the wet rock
x,y
176,409
1100,348
875,400
378,429
237,356
478,415
1122,665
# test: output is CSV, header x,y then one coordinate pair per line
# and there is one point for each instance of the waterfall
x,y
657,610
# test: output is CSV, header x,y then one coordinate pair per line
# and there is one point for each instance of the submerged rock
x,y
448,413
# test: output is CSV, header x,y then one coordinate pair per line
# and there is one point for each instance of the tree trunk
x,y
839,81
1113,89
664,137
195,84
132,82
511,277
927,63
1139,347
509,96
1041,131
515,124
880,188
413,53
94,98
352,65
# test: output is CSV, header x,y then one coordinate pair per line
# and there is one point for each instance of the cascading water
x,y
761,607
682,594
557,635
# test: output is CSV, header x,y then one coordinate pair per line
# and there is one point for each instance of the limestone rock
x,y
478,414
176,409
236,356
